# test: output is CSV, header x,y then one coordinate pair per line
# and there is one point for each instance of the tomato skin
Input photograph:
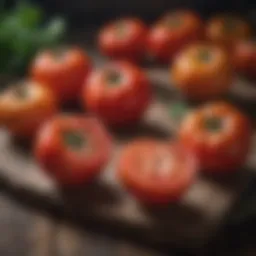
x,y
219,30
63,74
202,79
156,172
121,103
220,151
23,116
67,165
244,58
128,46
164,42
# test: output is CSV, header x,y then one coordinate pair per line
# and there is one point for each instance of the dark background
x,y
94,11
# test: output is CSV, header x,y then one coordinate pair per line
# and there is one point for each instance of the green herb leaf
x,y
178,110
52,33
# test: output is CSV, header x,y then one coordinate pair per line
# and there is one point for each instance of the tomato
x,y
118,93
73,149
171,33
24,106
123,39
244,58
155,171
202,71
64,71
225,30
219,135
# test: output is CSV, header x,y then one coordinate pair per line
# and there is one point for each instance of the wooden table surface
x,y
29,231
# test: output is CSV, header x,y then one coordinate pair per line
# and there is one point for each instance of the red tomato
x,y
219,135
171,33
63,71
123,39
225,30
244,57
73,149
155,171
119,93
24,106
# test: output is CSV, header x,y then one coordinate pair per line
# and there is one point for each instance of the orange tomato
x,y
119,93
24,106
73,149
156,172
123,39
202,72
64,71
244,58
219,135
171,33
225,30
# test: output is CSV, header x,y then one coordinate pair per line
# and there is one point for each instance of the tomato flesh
x,y
156,172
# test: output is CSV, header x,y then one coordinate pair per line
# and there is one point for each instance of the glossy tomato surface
x,y
156,172
24,106
219,135
225,30
73,149
171,33
123,39
244,58
202,72
63,71
119,93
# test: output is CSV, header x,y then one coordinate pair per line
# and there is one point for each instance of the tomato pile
x,y
75,148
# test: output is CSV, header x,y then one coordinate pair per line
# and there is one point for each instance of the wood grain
x,y
189,223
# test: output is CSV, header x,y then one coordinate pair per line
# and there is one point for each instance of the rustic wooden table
x,y
29,231
26,232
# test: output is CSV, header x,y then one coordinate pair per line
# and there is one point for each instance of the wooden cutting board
x,y
189,223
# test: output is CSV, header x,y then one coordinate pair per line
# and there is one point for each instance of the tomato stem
x,y
59,53
229,25
120,28
74,139
213,124
114,77
173,21
204,55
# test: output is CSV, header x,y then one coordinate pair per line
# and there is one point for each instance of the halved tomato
x,y
156,171
73,148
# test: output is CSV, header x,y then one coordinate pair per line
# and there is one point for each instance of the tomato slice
x,y
156,171
73,149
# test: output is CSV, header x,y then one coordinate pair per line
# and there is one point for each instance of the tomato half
x,y
171,33
156,171
219,135
63,71
119,93
123,39
73,149
225,30
24,106
202,72
244,58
